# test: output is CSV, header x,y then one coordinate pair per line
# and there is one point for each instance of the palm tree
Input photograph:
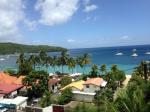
x,y
71,63
32,60
85,60
94,71
103,69
63,59
79,61
54,62
48,61
21,59
42,57
46,99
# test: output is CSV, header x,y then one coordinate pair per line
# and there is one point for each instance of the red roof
x,y
7,79
94,81
8,88
53,81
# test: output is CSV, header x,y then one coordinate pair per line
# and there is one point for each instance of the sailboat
x,y
148,52
119,53
134,54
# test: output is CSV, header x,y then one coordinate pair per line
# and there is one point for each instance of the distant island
x,y
11,48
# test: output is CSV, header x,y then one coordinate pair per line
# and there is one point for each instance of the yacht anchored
x,y
119,54
134,54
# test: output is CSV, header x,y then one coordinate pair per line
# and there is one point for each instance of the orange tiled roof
x,y
6,78
95,81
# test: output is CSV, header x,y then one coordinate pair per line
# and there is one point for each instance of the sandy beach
x,y
128,77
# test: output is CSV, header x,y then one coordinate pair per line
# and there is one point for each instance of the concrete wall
x,y
82,97
91,89
48,109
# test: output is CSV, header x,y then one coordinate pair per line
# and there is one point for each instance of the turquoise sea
x,y
99,56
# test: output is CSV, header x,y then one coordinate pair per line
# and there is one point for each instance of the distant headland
x,y
11,48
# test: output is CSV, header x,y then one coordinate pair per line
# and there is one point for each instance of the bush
x,y
65,80
65,97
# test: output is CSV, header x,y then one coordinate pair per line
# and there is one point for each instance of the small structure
x,y
75,86
86,90
19,102
53,85
94,84
9,90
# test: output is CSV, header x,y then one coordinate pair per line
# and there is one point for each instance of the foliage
x,y
71,63
37,81
65,80
46,99
10,71
85,107
103,69
11,48
66,96
94,71
24,66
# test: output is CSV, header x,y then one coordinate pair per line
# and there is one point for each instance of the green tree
x,y
94,71
66,96
63,59
71,63
46,99
24,66
103,69
38,83
65,80
85,61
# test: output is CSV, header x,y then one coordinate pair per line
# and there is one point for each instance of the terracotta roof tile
x,y
94,81
6,78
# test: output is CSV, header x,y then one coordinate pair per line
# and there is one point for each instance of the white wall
x,y
91,89
48,109
82,97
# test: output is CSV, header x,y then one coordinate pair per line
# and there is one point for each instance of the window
x,y
87,86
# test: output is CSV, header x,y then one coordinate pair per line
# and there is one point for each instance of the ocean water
x,y
99,56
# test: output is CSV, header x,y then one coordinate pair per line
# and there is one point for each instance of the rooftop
x,y
78,85
7,79
8,88
95,81
53,81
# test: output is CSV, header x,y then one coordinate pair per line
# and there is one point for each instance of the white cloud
x,y
11,12
55,12
125,37
70,40
90,8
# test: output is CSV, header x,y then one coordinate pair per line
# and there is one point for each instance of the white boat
x,y
119,54
2,59
134,53
148,52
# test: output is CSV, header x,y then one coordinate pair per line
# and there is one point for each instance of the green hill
x,y
11,48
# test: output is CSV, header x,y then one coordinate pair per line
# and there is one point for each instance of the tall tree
x,y
71,63
103,69
94,71
63,59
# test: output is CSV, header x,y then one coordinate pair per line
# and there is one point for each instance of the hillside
x,y
11,48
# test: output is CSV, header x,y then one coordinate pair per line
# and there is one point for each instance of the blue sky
x,y
75,23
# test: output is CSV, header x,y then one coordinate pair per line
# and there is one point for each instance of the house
x,y
9,90
7,79
53,85
75,86
94,84
18,103
86,90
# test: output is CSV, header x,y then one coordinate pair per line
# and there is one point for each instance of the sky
x,y
75,23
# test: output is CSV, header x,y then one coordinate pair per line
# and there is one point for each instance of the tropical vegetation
x,y
11,48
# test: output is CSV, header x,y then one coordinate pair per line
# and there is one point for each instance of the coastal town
x,y
31,89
